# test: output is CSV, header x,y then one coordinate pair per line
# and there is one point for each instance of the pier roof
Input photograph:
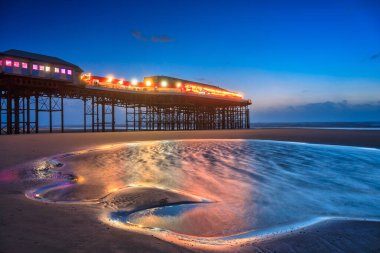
x,y
39,57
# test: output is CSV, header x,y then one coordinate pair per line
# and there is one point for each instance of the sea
x,y
373,125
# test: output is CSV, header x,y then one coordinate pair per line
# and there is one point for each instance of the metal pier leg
x,y
103,116
85,114
113,115
93,114
50,116
28,115
126,117
9,113
17,114
139,117
247,118
134,117
97,114
158,118
62,117
36,114
23,114
153,118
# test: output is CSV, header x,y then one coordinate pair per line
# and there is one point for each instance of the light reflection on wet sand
x,y
253,185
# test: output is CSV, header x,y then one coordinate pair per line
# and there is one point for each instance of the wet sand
x,y
32,226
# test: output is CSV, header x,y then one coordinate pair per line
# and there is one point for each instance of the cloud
x,y
374,56
138,35
320,112
161,39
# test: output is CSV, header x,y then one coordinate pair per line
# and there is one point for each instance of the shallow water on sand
x,y
249,185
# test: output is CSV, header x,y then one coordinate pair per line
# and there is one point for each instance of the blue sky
x,y
287,56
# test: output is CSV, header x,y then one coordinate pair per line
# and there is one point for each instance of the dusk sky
x,y
297,60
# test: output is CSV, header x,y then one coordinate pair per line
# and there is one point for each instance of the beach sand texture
x,y
32,226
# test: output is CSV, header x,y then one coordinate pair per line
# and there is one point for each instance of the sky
x,y
297,60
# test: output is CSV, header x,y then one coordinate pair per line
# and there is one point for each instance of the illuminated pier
x,y
31,84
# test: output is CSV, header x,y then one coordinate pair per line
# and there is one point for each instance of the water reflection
x,y
253,185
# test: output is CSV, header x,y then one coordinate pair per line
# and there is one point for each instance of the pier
x,y
32,84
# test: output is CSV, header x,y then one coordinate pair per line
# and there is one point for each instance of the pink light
x,y
8,176
35,67
56,70
8,63
63,71
69,72
41,67
16,64
24,65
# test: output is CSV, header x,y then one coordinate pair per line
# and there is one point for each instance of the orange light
x,y
179,84
109,79
148,83
85,76
121,81
80,179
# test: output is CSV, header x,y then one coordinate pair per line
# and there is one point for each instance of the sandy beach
x,y
31,226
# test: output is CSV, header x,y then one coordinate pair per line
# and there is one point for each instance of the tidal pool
x,y
247,185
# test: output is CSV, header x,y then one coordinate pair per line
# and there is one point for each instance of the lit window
x,y
16,64
69,72
56,70
24,65
35,67
63,71
47,68
8,63
42,67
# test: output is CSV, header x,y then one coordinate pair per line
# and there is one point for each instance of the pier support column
x,y
16,113
93,114
62,117
50,115
84,114
97,113
248,125
23,114
126,116
28,115
113,115
37,113
9,113
134,117
103,116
